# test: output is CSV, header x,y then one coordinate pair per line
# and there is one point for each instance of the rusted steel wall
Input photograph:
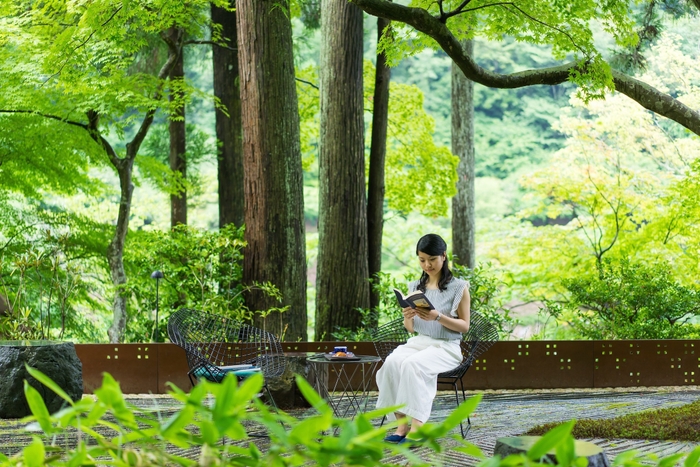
x,y
147,368
139,368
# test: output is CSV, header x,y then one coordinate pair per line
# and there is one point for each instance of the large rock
x,y
57,360
521,444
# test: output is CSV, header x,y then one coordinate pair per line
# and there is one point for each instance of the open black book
x,y
414,300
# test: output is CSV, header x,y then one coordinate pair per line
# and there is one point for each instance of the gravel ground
x,y
501,413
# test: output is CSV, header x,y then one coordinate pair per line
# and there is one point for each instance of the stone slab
x,y
521,444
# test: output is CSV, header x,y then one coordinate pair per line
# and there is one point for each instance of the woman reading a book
x,y
409,375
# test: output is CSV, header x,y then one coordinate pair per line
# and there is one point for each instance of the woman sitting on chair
x,y
409,374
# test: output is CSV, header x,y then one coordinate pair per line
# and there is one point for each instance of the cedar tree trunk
x,y
176,128
342,283
272,173
377,157
228,128
463,224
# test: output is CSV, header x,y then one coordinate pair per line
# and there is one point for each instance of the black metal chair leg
x,y
481,336
469,422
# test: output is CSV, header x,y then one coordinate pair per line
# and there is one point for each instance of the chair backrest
x,y
212,340
481,336
389,336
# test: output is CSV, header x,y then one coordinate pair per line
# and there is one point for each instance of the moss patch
x,y
673,424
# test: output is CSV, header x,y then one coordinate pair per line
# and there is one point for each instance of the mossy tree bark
x,y
272,173
228,128
342,276
377,158
463,220
178,137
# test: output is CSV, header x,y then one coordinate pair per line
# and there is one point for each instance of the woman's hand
x,y
426,313
409,312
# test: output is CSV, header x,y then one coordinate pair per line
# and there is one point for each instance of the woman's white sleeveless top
x,y
444,301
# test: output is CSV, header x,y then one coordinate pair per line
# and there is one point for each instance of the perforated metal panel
x,y
134,366
144,368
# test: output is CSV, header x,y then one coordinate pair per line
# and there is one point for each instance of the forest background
x,y
584,208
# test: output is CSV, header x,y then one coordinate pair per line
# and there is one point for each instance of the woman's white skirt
x,y
408,377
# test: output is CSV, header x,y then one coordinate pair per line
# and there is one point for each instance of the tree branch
x,y
444,16
53,117
174,48
94,131
306,82
420,19
210,43
531,18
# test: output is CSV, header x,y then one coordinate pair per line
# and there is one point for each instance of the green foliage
x,y
47,265
513,128
651,19
628,301
117,433
413,158
202,270
154,164
309,120
34,169
420,175
487,299
622,188
213,422
75,59
672,424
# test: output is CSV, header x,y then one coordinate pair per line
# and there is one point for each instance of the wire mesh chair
x,y
481,336
216,345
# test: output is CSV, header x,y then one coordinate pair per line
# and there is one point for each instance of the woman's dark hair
x,y
434,245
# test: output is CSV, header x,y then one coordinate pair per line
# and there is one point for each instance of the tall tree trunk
x,y
463,223
377,157
115,250
125,167
272,173
228,128
176,128
342,276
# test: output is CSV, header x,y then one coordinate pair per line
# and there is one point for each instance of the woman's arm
x,y
408,314
459,324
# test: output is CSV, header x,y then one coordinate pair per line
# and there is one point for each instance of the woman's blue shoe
x,y
411,443
394,438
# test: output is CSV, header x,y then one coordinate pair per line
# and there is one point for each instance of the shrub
x,y
201,269
628,301
47,280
